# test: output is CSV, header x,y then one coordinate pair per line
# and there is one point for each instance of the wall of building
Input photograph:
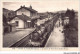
x,y
13,29
34,14
20,22
23,11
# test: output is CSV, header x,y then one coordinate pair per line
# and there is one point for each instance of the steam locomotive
x,y
38,37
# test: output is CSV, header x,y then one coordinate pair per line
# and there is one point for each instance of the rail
x,y
49,26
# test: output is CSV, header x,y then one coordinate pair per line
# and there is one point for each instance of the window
x,y
17,23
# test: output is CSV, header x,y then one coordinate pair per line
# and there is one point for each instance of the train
x,y
40,34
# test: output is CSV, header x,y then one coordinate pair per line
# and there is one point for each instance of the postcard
x,y
41,25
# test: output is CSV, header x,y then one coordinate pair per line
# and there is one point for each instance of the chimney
x,y
30,7
24,6
21,6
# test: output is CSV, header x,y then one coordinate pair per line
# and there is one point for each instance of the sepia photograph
x,y
40,24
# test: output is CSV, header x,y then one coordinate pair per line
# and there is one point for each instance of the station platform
x,y
13,37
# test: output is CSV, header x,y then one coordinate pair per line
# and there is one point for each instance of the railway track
x,y
25,41
22,42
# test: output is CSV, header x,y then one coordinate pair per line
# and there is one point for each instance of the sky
x,y
43,6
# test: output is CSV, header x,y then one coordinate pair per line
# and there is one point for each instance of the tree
x,y
4,20
68,13
71,14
